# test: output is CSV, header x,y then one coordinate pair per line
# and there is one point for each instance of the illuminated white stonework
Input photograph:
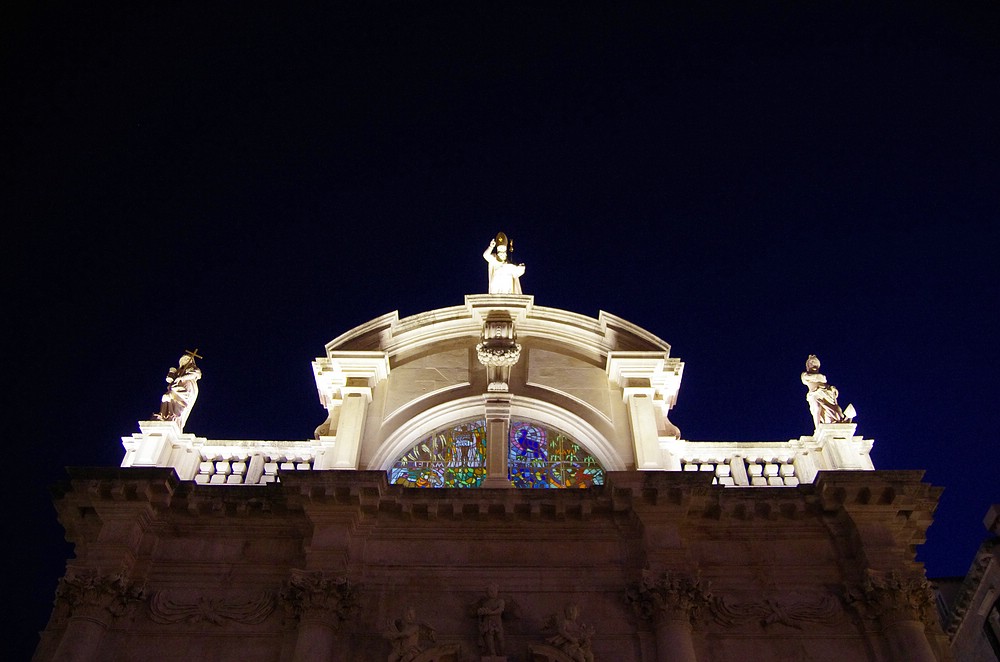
x,y
389,382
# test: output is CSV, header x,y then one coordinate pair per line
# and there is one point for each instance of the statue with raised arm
x,y
822,397
182,390
505,277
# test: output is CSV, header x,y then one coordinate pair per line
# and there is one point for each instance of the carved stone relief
x,y
167,607
315,595
88,591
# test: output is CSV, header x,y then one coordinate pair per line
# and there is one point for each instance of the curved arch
x,y
455,411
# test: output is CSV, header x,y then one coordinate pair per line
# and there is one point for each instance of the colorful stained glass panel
x,y
539,457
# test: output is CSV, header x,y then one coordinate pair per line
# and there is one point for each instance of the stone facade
x,y
664,566
679,550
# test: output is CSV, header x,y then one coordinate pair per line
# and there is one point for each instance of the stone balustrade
x,y
733,464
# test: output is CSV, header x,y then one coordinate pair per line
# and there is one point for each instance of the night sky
x,y
751,185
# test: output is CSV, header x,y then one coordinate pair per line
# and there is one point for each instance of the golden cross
x,y
194,354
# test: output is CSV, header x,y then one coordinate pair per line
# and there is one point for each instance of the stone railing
x,y
771,463
732,464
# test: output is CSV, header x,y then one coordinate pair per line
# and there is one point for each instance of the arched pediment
x,y
522,409
586,335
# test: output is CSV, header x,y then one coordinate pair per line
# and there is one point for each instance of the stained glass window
x,y
544,457
454,457
539,456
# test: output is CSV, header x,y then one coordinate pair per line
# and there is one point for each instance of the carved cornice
x,y
169,608
798,612
671,596
314,595
89,594
889,597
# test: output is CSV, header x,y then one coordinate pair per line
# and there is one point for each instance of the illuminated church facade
x,y
495,480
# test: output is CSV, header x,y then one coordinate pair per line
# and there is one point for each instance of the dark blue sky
x,y
751,185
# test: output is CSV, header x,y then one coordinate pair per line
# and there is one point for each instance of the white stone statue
x,y
822,397
182,390
505,277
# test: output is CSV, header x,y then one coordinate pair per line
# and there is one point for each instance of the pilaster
x,y
93,603
497,439
345,381
902,606
672,602
319,603
649,382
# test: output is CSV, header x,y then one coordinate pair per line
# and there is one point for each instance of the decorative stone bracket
x,y
499,350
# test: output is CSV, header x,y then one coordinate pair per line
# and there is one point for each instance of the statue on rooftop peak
x,y
822,397
182,390
505,277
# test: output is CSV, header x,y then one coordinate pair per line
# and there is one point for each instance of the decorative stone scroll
x,y
314,595
671,595
89,593
889,597
797,613
169,608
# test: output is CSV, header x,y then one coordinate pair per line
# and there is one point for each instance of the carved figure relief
x,y
492,611
407,637
572,637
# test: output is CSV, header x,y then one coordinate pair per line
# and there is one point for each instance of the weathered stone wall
x,y
664,566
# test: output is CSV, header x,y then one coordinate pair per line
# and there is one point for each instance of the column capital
x,y
102,598
890,597
316,596
669,596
